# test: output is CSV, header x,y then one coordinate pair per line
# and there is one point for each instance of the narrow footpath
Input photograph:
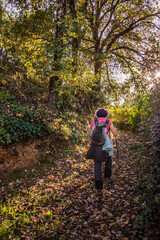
x,y
63,204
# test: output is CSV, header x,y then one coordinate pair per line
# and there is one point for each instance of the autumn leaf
x,y
48,213
84,151
51,177
126,222
66,199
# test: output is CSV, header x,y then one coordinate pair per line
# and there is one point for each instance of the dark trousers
x,y
98,172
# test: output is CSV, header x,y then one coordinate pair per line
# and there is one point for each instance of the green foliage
x,y
134,116
18,122
120,115
69,126
140,112
37,43
76,93
18,215
150,200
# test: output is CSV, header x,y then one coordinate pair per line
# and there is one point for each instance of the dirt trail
x,y
65,205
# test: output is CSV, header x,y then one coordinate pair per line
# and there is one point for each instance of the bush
x,y
120,115
134,116
69,126
18,122
140,114
149,215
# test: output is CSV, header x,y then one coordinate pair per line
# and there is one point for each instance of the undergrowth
x,y
149,215
21,121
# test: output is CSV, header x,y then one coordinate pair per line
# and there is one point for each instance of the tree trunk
x,y
76,39
55,81
97,69
97,94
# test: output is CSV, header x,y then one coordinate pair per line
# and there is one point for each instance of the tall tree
x,y
55,81
121,31
99,34
76,37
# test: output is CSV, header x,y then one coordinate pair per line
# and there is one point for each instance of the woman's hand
x,y
113,130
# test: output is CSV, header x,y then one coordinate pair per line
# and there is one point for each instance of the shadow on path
x,y
65,205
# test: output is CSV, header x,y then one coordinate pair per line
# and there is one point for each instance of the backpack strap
x,y
107,122
96,120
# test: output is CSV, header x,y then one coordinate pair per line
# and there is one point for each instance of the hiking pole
x,y
117,152
117,148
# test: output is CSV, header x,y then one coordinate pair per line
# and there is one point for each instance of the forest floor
x,y
62,203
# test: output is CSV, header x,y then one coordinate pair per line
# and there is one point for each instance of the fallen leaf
x,y
84,151
126,222
102,225
109,214
85,224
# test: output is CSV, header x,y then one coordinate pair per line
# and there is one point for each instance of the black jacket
x,y
95,152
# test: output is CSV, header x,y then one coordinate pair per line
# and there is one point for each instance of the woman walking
x,y
96,151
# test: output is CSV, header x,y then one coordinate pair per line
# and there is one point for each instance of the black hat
x,y
101,112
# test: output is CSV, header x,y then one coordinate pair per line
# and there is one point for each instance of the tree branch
x,y
108,77
132,50
111,14
89,15
129,67
102,4
127,30
130,59
88,40
153,25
